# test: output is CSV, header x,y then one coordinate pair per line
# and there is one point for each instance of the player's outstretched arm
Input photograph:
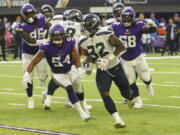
x,y
120,48
36,59
150,27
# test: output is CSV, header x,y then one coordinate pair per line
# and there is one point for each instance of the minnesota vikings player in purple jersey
x,y
31,30
61,54
130,32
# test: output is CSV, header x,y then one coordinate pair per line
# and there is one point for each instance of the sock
x,y
52,86
71,94
48,100
135,89
117,117
29,90
80,96
148,82
109,104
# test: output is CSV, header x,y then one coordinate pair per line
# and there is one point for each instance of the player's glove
x,y
40,41
151,23
102,63
26,79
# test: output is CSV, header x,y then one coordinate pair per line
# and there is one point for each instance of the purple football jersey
x,y
35,31
59,59
131,37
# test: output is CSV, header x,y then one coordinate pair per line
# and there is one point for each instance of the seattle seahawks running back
x,y
104,48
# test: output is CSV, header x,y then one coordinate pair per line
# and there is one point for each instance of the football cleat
x,y
150,90
30,103
131,103
119,125
47,103
138,104
124,100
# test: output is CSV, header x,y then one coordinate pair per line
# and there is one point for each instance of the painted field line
x,y
9,89
169,64
171,82
164,57
16,104
34,130
175,97
92,100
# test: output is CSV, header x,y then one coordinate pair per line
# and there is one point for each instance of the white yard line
x,y
170,82
92,100
9,89
175,97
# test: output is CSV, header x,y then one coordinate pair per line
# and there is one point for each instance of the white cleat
x,y
119,125
47,103
124,100
150,90
85,116
138,104
30,103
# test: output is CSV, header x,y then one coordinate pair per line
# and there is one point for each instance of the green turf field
x,y
160,115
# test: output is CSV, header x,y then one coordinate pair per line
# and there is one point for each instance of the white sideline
x,y
92,100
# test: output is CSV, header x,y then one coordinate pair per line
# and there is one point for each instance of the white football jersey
x,y
98,46
73,29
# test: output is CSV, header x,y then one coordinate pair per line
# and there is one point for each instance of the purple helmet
x,y
57,33
28,12
128,17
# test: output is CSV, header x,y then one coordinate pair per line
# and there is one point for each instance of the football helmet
x,y
65,14
91,23
48,11
28,13
74,15
57,34
117,10
128,17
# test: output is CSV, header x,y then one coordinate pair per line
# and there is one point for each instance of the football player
x,y
117,10
104,48
73,27
133,61
32,32
48,12
61,54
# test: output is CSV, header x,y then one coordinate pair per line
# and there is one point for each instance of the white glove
x,y
102,63
40,41
26,79
80,73
151,23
